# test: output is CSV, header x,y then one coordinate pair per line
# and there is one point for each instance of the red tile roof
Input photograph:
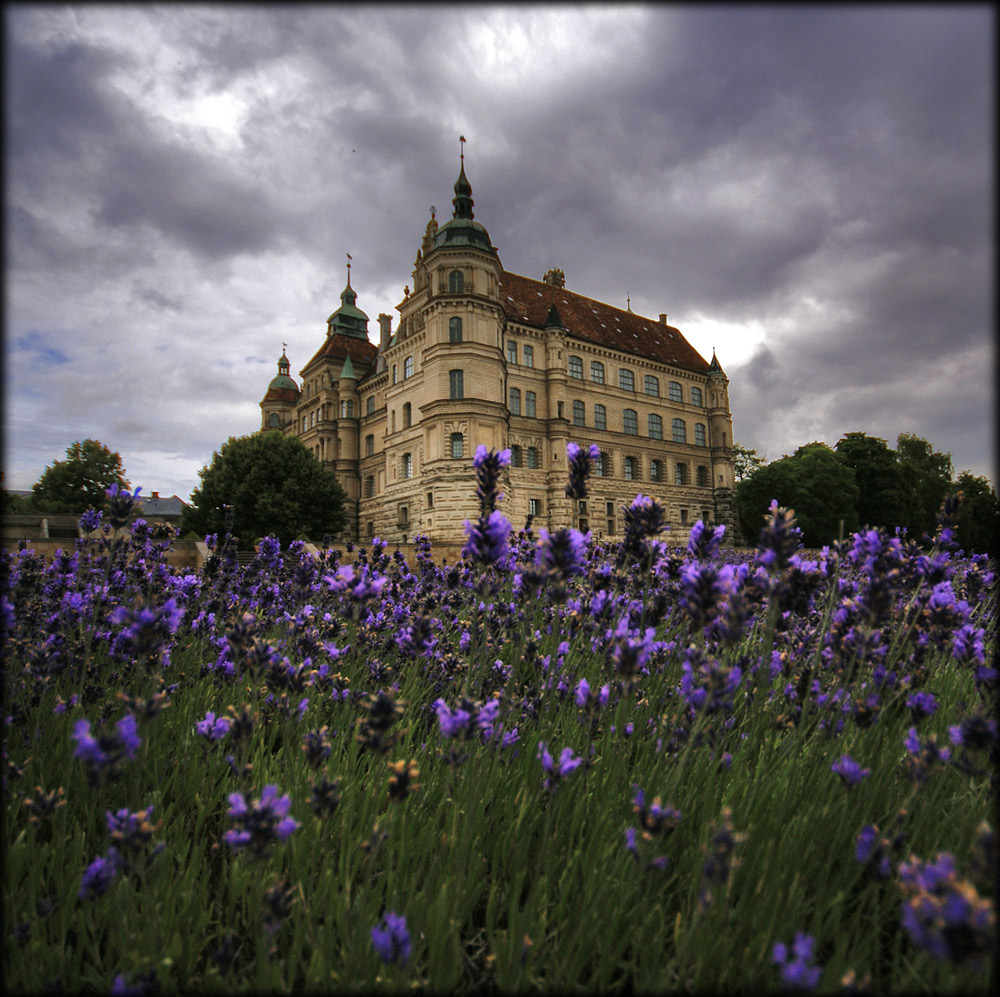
x,y
528,301
281,395
337,346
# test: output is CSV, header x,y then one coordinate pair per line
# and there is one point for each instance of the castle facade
x,y
484,356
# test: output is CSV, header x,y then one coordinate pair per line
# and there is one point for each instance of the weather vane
x,y
461,139
348,269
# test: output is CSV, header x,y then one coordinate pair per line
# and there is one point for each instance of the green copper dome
x,y
463,230
282,380
348,319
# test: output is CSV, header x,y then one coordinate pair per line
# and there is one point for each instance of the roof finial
x,y
349,270
628,301
461,139
433,212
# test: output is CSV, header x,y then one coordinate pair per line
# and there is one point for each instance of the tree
x,y
273,485
814,482
79,482
978,516
746,461
881,481
926,480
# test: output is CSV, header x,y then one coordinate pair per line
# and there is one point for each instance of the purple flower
x,y
849,770
703,543
452,721
567,764
99,875
212,727
580,462
870,849
101,754
921,704
120,504
260,823
487,538
487,464
798,969
391,940
563,552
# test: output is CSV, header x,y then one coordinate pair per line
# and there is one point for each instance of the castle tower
x,y
720,428
278,404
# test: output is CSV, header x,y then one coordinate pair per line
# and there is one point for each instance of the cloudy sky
x,y
809,191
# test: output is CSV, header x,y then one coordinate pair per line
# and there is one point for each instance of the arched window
x,y
630,421
679,431
700,439
407,368
655,426
652,385
274,419
579,413
454,329
406,466
600,417
515,401
407,415
597,371
674,392
457,445
456,282
696,397
626,379
576,368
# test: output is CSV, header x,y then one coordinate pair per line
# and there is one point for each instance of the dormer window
x,y
456,282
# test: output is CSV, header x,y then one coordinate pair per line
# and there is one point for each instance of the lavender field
x,y
555,765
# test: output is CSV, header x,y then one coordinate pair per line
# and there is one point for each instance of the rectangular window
x,y
393,373
529,356
511,351
369,445
699,434
430,500
456,383
529,404
674,392
600,417
630,469
576,368
533,457
626,380
407,465
454,330
696,397
652,385
655,473
579,413
655,426
684,515
516,456
597,371
630,422
701,476
680,474
534,507
370,405
515,401
679,431
404,515
407,368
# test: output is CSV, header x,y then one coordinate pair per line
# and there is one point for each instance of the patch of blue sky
x,y
34,342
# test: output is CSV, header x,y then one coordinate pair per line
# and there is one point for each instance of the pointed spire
x,y
553,318
348,369
463,189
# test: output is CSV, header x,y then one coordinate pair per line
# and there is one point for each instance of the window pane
x,y
652,385
457,445
529,404
597,372
696,397
407,368
515,456
679,431
676,395
630,420
456,383
515,401
576,367
699,434
532,457
511,352
600,417
456,282
626,380
454,330
529,356
579,414
655,426
654,470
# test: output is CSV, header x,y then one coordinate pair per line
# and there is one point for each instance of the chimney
x,y
663,318
385,331
155,495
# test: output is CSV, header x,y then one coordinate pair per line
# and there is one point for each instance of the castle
x,y
484,356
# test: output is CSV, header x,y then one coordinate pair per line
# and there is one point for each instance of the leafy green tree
x,y
978,516
746,460
814,482
926,480
881,481
78,483
273,485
